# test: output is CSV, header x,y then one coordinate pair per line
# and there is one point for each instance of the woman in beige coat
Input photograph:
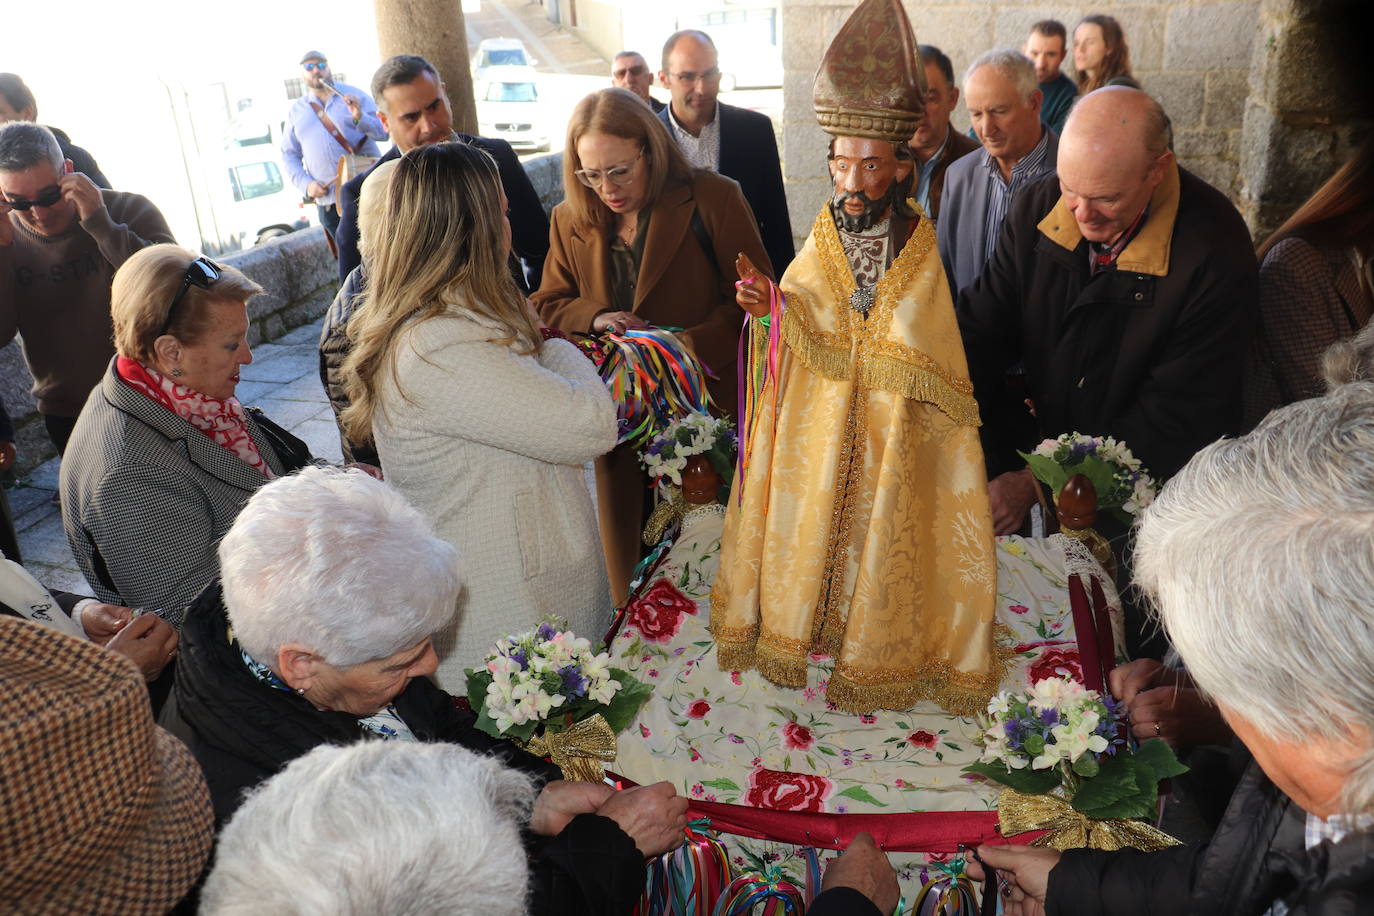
x,y
642,238
483,425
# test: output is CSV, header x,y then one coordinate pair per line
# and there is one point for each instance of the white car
x,y
252,200
508,108
499,52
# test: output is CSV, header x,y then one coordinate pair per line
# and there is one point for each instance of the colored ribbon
x,y
1071,829
581,751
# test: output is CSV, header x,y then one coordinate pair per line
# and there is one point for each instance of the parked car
x,y
252,199
500,52
508,108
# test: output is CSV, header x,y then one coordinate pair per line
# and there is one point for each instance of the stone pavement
x,y
283,380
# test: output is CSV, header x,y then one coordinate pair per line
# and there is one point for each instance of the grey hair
x,y
1259,559
24,144
400,70
1012,64
1350,360
377,827
337,562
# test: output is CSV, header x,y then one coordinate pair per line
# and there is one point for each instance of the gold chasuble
x,y
863,530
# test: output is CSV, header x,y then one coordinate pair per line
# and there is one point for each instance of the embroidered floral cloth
x,y
737,738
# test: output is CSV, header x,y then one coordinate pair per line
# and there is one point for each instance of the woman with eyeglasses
x,y
642,238
163,455
479,421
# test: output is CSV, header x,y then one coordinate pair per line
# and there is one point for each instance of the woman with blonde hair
x,y
1101,56
477,419
642,238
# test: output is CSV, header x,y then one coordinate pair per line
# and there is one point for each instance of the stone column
x,y
1298,124
435,30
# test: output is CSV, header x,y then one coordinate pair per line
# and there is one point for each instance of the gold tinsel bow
x,y
581,751
1071,829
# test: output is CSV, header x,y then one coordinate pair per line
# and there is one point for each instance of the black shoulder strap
x,y
703,237
293,452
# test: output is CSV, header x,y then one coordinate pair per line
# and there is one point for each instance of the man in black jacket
x,y
1258,557
1127,288
413,104
736,142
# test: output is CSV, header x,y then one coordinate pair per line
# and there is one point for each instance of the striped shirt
x,y
1031,167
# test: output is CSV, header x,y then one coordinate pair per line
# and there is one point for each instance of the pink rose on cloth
x,y
797,737
698,709
922,738
1057,661
781,791
1019,609
657,614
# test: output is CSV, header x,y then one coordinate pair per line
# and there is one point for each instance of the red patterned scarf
x,y
221,420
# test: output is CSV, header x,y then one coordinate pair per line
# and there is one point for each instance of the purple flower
x,y
736,739
518,656
574,682
546,631
1050,717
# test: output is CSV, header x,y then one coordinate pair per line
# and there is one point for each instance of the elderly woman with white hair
x,y
312,840
1259,556
321,632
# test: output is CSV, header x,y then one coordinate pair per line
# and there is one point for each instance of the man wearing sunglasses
x,y
330,120
736,142
61,240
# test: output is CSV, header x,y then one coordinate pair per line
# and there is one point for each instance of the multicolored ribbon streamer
x,y
652,376
777,895
689,880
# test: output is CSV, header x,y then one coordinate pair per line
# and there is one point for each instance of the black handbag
x,y
293,453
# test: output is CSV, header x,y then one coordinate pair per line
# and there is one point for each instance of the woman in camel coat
x,y
641,239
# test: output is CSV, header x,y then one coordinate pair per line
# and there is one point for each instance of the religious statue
x,y
860,526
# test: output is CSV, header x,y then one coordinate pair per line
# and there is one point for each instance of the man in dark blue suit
x,y
414,107
735,142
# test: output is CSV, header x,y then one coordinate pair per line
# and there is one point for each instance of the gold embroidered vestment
x,y
863,531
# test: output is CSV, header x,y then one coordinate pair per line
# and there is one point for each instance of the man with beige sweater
x,y
61,241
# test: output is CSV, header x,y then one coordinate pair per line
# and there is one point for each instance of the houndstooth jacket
x,y
146,497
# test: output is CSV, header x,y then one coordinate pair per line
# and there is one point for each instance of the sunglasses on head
x,y
46,198
317,65
202,273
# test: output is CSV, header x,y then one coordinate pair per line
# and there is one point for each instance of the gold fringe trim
x,y
918,384
780,667
820,356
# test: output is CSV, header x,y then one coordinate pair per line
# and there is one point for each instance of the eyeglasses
x,y
317,65
202,273
710,76
619,175
46,198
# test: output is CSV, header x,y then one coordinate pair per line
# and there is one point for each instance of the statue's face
x,y
864,173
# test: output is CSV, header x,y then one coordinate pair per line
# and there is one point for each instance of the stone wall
x,y
298,277
1193,55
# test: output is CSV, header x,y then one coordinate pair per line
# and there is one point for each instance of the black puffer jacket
x,y
243,732
1256,857
334,349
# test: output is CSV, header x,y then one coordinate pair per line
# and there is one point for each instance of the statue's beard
x,y
870,216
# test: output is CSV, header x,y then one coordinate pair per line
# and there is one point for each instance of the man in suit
x,y
936,143
735,142
413,105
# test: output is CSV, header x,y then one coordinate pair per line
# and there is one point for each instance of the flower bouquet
x,y
1060,753
549,692
697,448
1122,485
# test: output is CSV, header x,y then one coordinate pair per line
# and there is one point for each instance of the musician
x,y
330,120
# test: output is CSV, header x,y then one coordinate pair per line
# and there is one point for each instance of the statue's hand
x,y
751,292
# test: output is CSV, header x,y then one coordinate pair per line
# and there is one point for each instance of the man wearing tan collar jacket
x,y
1127,287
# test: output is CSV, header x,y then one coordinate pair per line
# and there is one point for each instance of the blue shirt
x,y
1059,95
308,150
976,200
926,170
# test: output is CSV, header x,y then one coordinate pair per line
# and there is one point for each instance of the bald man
x,y
1126,287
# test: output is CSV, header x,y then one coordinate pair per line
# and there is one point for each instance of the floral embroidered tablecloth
x,y
734,737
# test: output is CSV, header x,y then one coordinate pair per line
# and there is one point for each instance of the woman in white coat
x,y
480,422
